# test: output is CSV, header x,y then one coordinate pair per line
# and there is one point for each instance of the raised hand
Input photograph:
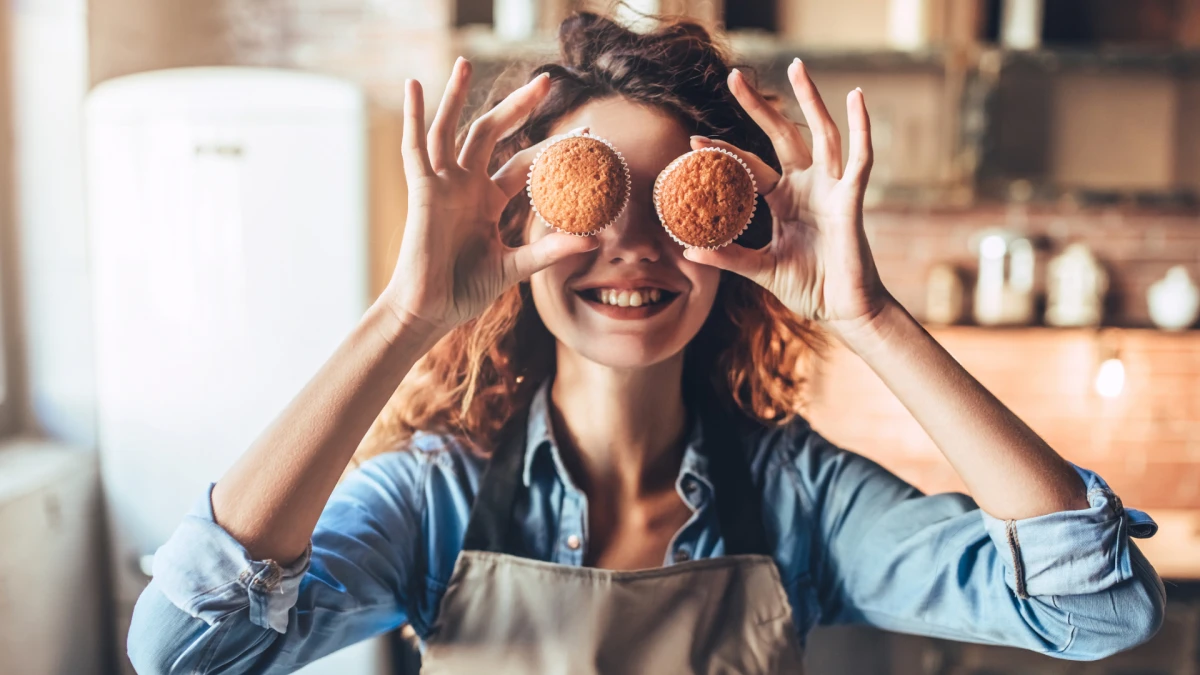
x,y
818,262
452,263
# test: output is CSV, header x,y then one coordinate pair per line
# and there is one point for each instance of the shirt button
x,y
682,555
573,542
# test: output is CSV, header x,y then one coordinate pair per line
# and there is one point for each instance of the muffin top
x,y
705,198
579,185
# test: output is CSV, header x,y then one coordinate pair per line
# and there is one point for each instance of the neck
x,y
621,431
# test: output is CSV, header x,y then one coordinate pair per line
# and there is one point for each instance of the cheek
x,y
705,283
548,297
540,285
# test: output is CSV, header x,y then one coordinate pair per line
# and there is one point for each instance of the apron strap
x,y
738,502
491,515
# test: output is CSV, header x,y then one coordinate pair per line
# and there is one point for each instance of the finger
x,y
753,264
522,262
412,146
785,136
862,153
486,130
512,177
441,134
765,178
827,142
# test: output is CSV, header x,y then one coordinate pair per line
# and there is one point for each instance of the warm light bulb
x,y
1110,380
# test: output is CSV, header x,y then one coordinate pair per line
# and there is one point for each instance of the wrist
x,y
402,330
874,330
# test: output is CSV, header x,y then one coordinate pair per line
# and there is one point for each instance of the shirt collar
x,y
539,439
539,436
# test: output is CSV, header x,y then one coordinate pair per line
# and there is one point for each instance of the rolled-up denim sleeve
x,y
211,608
1070,584
1071,552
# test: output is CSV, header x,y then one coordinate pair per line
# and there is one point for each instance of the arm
x,y
1064,535
451,266
271,498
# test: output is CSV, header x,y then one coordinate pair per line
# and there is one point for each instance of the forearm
x,y
271,498
1010,471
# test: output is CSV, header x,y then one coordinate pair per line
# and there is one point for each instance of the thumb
x,y
753,264
521,262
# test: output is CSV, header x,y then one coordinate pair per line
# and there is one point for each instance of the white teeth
x,y
634,298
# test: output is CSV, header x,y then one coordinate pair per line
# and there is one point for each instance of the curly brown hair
x,y
751,350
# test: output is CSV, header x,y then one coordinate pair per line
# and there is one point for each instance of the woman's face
x,y
580,298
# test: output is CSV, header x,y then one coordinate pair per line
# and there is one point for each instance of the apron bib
x,y
506,614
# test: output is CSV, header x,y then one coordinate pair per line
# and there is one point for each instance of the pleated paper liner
x,y
658,182
624,172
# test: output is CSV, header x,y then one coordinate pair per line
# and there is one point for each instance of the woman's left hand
x,y
818,262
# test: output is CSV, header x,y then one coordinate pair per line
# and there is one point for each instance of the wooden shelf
x,y
1103,59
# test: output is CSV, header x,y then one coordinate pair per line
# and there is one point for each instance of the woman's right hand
x,y
452,263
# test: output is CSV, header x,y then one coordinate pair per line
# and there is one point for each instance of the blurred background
x,y
199,199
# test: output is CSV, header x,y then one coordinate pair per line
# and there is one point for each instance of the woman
x,y
580,489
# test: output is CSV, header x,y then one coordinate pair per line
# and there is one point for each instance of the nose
x,y
633,238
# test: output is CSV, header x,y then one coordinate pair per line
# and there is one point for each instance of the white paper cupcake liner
x,y
624,172
674,165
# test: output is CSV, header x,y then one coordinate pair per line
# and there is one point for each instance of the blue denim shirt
x,y
853,543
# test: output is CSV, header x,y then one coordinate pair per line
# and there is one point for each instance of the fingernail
x,y
703,140
858,89
735,71
796,61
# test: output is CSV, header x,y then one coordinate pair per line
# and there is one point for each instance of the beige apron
x,y
506,614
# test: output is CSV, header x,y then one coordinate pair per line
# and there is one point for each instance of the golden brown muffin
x,y
705,198
579,184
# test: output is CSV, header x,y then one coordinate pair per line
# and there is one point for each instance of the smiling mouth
x,y
636,303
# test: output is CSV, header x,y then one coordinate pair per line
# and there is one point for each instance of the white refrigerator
x,y
228,231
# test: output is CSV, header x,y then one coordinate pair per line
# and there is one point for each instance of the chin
x,y
623,352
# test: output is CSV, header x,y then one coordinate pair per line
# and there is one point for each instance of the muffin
x,y
579,184
705,199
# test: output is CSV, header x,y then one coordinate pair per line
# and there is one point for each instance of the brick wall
x,y
1145,442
